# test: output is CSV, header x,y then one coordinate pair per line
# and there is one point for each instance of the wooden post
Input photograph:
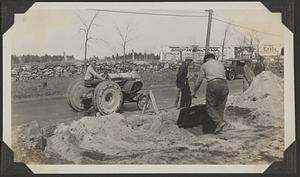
x,y
145,106
153,102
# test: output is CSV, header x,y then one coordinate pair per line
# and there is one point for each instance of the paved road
x,y
53,111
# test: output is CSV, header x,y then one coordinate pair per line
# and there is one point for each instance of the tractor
x,y
109,95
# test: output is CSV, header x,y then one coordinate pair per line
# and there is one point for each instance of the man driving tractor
x,y
104,93
91,77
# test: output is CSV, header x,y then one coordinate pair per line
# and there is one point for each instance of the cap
x,y
188,59
209,55
93,59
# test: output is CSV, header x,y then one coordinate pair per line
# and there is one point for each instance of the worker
x,y
248,75
183,84
216,91
260,66
92,78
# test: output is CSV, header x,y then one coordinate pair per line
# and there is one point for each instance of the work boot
x,y
219,127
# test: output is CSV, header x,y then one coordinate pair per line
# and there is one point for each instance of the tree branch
x,y
82,21
120,33
84,30
92,21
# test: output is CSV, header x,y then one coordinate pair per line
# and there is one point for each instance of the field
x,y
57,86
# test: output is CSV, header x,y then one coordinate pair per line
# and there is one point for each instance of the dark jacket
x,y
182,73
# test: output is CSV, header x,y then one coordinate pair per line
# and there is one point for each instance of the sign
x,y
269,50
195,52
244,52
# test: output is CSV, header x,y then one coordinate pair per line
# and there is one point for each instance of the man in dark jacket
x,y
248,75
260,66
183,84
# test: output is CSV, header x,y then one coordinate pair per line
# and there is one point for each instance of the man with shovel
x,y
216,91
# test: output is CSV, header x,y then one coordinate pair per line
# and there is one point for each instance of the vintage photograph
x,y
147,85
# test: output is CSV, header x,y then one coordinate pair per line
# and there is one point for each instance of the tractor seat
x,y
88,85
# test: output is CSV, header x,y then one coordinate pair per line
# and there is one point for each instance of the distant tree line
x,y
39,59
137,56
23,59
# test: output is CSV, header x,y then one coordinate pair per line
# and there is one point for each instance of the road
x,y
56,110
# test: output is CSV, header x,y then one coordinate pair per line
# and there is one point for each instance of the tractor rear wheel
x,y
74,93
69,91
108,97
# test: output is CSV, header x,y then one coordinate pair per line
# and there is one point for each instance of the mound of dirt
x,y
114,134
156,139
153,139
28,143
103,135
263,99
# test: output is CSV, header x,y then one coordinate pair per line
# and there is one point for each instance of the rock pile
x,y
39,71
28,72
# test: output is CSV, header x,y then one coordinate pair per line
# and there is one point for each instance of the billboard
x,y
269,50
169,53
244,52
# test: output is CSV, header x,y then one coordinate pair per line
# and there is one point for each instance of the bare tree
x,y
244,42
125,37
224,40
255,40
87,26
250,43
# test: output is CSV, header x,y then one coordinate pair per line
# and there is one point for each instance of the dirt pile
x,y
263,100
114,135
28,143
153,139
30,134
103,134
156,139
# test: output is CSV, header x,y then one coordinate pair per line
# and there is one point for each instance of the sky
x,y
54,31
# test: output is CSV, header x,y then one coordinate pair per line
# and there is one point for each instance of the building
x,y
270,52
244,52
180,53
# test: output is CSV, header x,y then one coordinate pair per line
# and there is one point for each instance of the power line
x,y
241,26
181,11
149,13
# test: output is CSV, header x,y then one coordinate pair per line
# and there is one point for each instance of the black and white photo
x,y
165,85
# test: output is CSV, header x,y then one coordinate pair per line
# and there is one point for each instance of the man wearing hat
x,y
183,84
91,77
216,91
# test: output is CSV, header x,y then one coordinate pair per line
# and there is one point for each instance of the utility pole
x,y
210,11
